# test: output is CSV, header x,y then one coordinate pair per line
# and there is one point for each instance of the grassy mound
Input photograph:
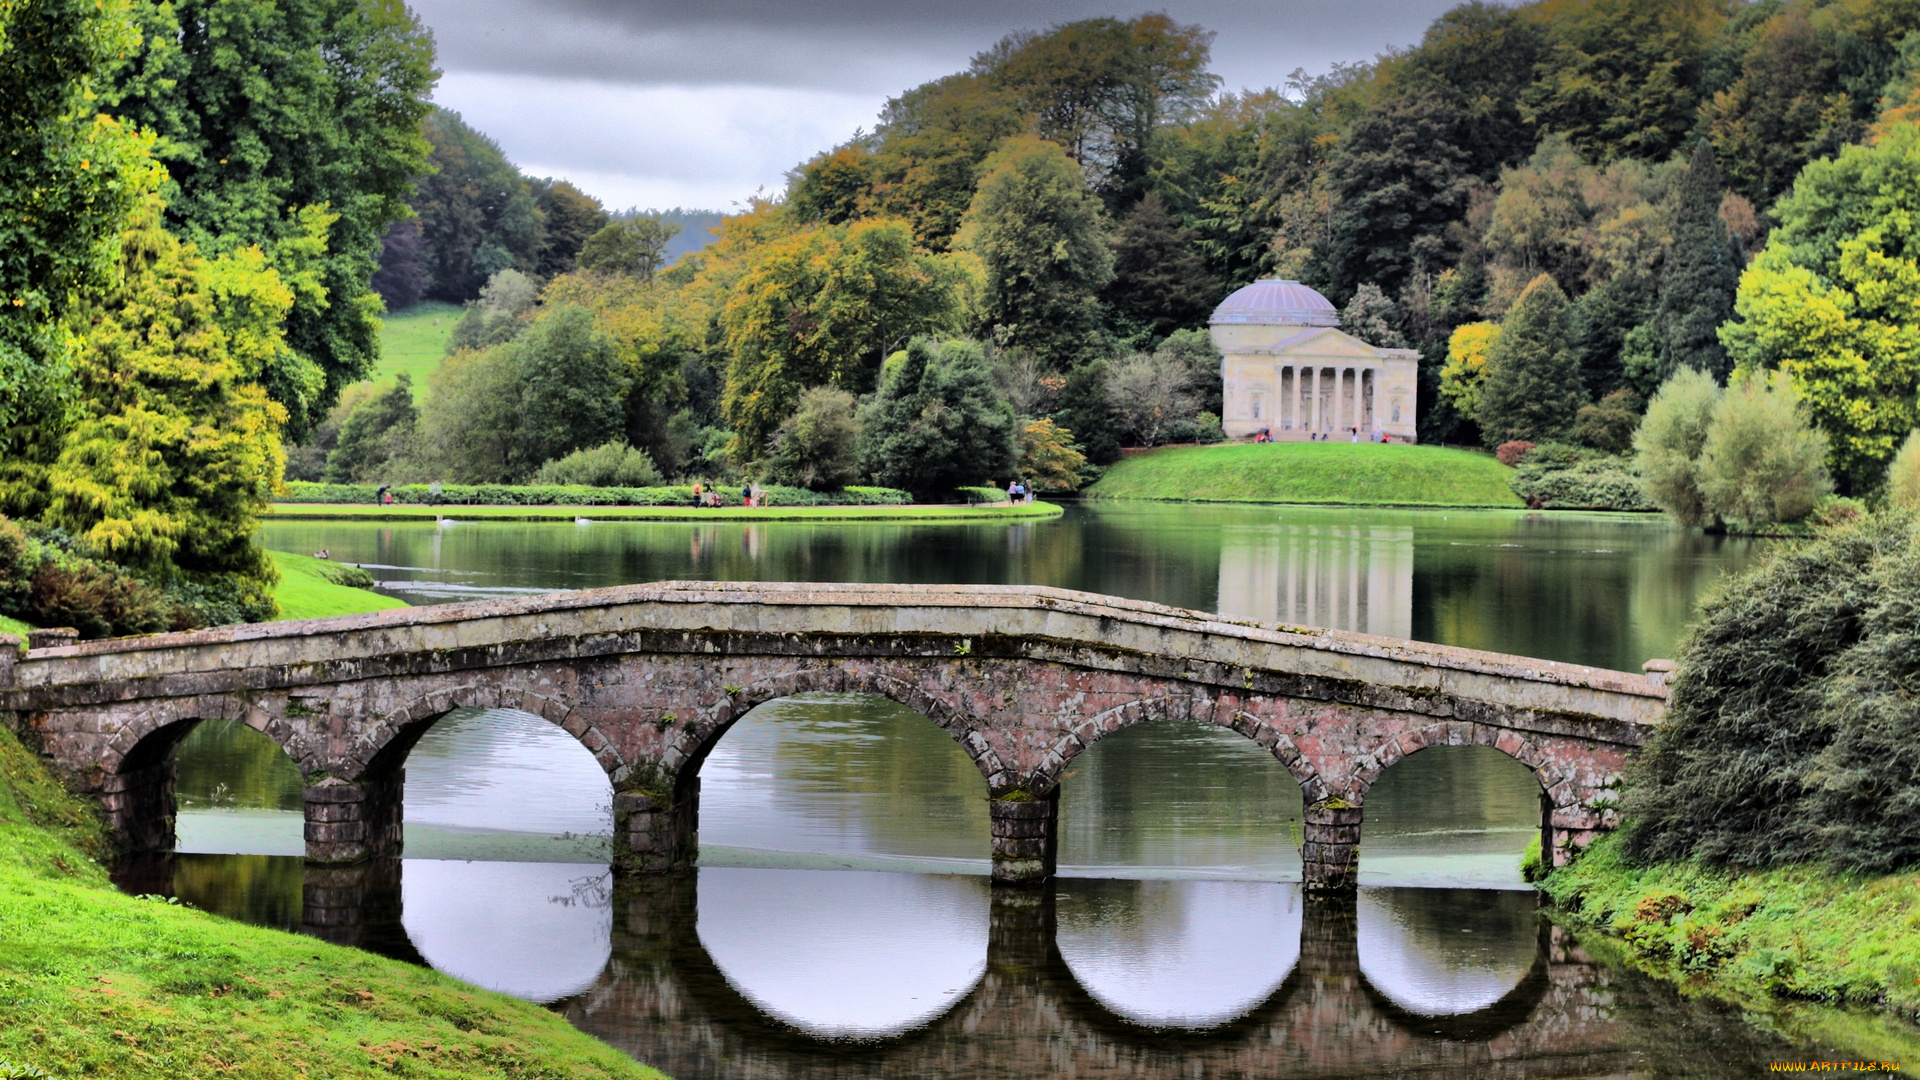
x,y
98,983
1348,474
414,341
313,588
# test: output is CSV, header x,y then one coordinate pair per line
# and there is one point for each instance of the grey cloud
x,y
872,45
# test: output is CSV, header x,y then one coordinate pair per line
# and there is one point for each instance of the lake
x,y
840,922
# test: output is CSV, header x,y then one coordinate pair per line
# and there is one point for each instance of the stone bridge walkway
x,y
649,677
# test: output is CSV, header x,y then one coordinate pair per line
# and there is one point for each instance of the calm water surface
x,y
841,924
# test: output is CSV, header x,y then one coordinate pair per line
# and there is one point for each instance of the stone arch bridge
x,y
649,677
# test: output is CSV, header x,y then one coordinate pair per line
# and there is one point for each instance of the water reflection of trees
x,y
231,766
843,772
1170,794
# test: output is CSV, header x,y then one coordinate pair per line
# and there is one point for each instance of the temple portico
x,y
1288,370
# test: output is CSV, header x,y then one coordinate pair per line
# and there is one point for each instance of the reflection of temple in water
x,y
1347,577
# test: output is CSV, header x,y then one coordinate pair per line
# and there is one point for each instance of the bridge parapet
x,y
648,677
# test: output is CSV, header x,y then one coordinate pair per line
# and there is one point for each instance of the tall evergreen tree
x,y
1532,389
1701,273
1160,282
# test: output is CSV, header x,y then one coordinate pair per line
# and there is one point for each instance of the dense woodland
x,y
1594,178
1677,228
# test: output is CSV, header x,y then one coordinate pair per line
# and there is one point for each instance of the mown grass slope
x,y
313,588
414,341
97,983
693,514
1335,473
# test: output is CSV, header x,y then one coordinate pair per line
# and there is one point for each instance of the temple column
x,y
1352,379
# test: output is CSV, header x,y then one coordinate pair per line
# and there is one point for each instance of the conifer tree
x,y
1701,273
1533,389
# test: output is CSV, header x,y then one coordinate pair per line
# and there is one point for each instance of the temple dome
x,y
1276,303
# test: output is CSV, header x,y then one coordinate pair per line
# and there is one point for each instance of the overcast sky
x,y
698,103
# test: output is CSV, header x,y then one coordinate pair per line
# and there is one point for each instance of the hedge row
x,y
1554,477
300,491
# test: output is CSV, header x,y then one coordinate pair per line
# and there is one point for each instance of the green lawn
x,y
337,511
1355,474
14,626
98,983
313,588
414,340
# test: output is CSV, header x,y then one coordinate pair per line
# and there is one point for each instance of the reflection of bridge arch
x,y
666,1002
646,677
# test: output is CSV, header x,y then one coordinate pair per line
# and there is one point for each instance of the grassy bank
x,y
414,341
1346,474
1763,939
356,512
313,588
97,983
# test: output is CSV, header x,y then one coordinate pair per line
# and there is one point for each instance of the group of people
x,y
1018,492
750,495
1265,435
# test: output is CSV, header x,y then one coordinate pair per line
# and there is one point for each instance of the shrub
x,y
1510,453
1762,463
1559,477
1669,443
530,495
1610,423
98,600
1792,732
17,562
1903,476
613,464
814,448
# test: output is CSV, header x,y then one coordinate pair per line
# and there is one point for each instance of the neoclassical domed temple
x,y
1290,370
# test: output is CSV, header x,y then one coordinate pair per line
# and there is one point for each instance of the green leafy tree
x,y
938,422
1042,238
1484,56
1101,88
931,141
572,385
69,179
824,306
815,448
1619,76
1785,109
1834,300
1160,282
833,188
477,214
376,436
635,245
1532,389
1668,444
1466,369
1761,463
1701,273
1402,178
1084,409
499,313
176,449
293,125
568,217
471,435
1609,423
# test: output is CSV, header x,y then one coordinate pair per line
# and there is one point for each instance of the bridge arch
x,y
139,774
1177,709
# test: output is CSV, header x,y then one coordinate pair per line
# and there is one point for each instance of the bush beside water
x,y
1553,476
579,495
